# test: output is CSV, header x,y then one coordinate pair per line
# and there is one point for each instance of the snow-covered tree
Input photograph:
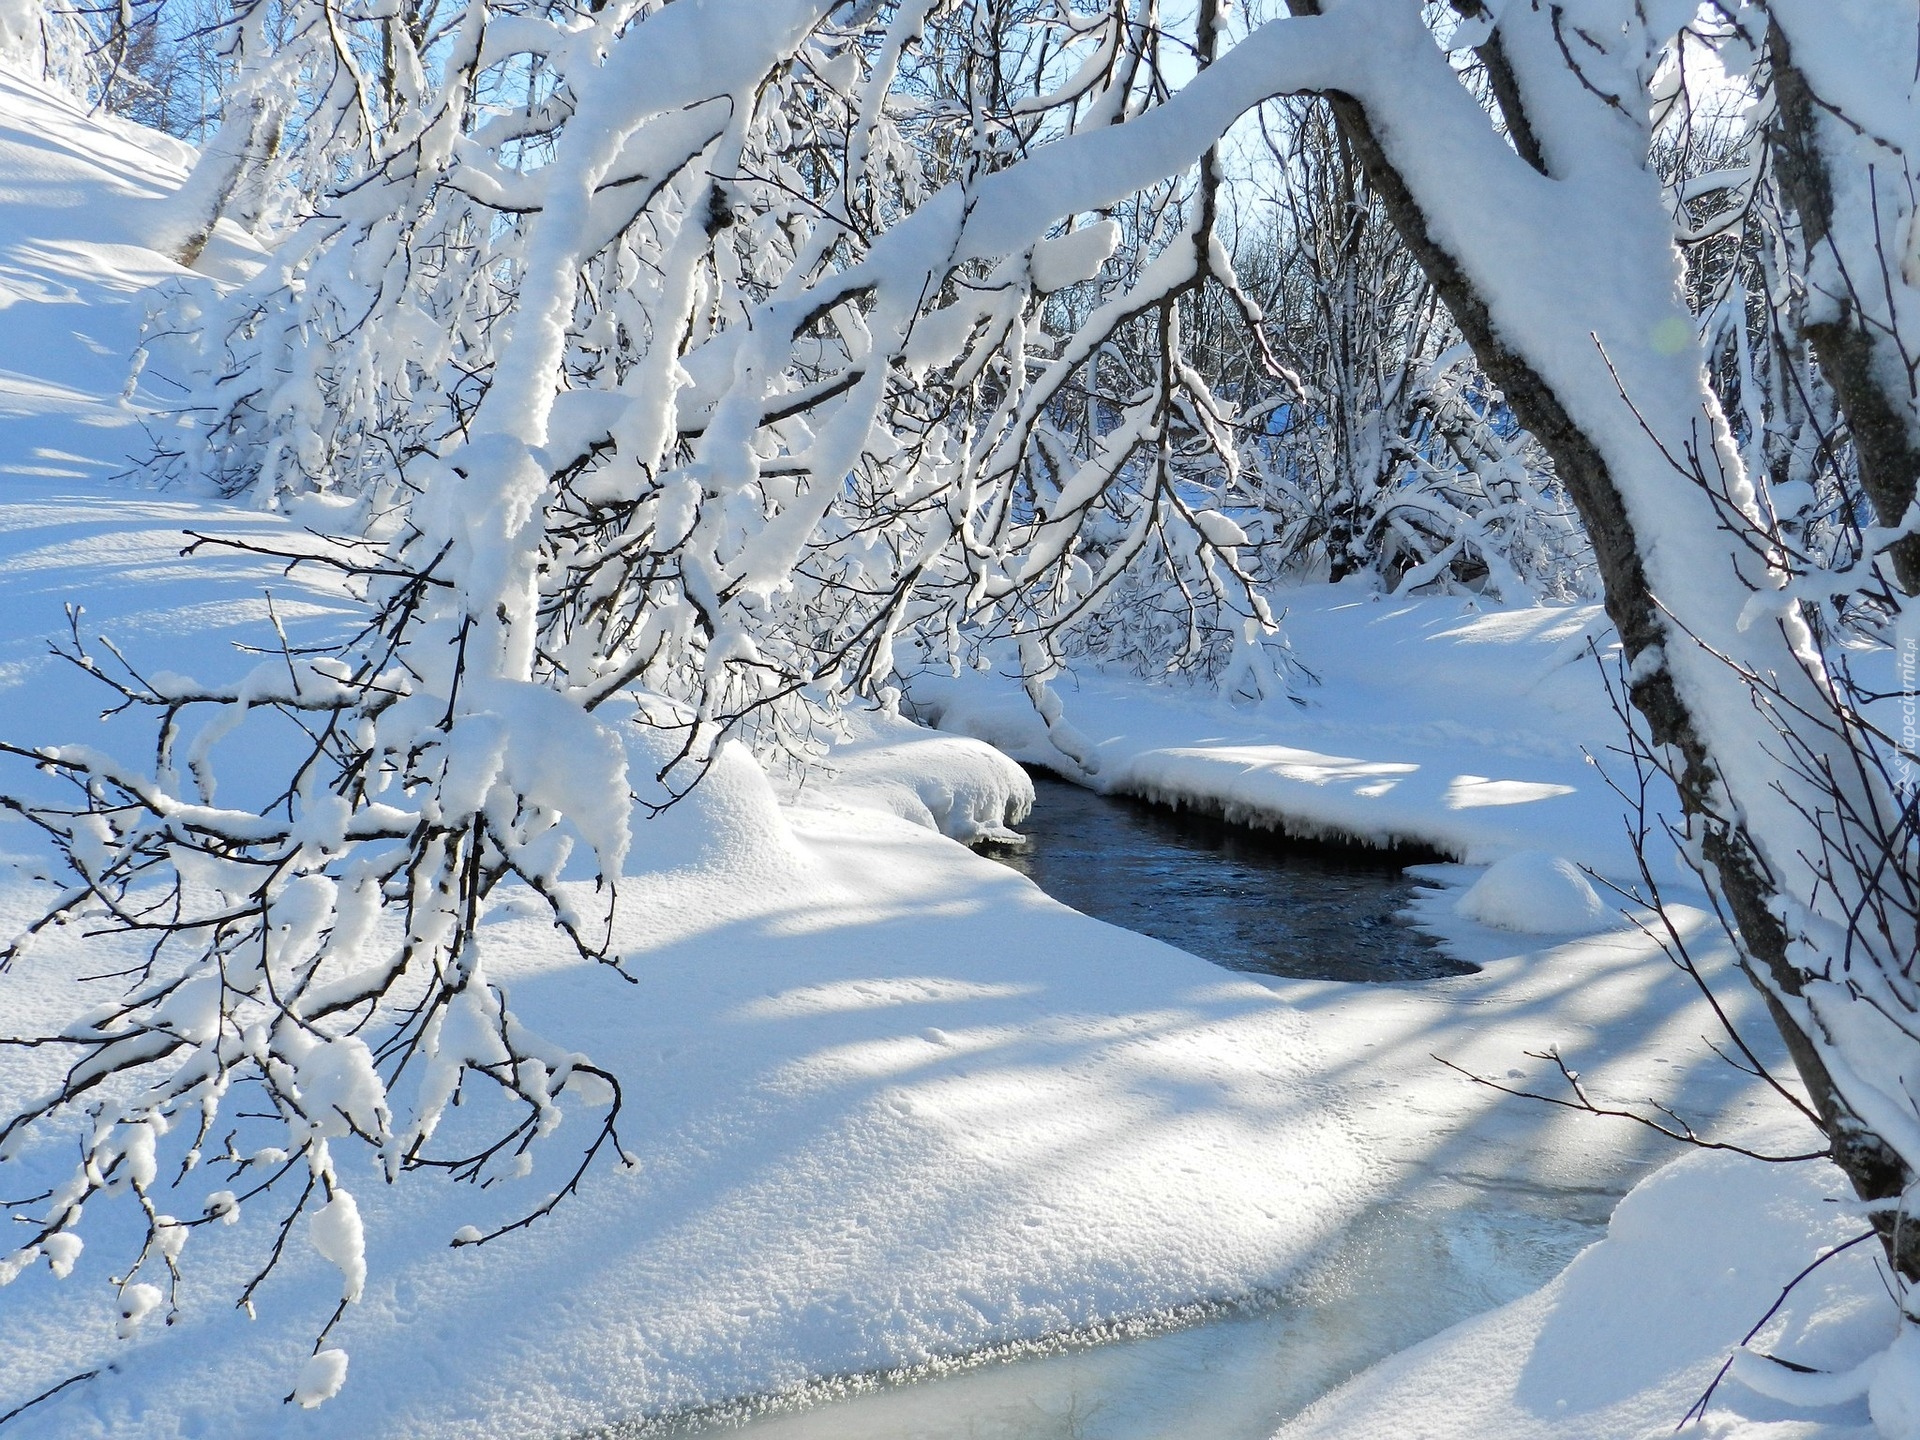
x,y
1768,755
51,41
665,365
1380,446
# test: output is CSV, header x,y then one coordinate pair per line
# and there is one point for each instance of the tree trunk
x,y
1874,1169
229,170
1883,441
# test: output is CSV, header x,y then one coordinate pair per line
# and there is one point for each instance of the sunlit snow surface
x,y
1436,721
73,192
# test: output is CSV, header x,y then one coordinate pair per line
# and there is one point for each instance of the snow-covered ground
x,y
75,191
1439,722
889,1103
1627,1339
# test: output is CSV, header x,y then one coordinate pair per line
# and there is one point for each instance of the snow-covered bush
x,y
1379,445
52,42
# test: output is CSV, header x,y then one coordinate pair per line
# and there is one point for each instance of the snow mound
x,y
1893,1386
965,789
1534,893
730,817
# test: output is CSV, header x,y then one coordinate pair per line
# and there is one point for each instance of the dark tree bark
x,y
1883,442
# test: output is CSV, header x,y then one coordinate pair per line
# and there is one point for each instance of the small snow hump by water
x,y
1893,1394
1534,893
966,790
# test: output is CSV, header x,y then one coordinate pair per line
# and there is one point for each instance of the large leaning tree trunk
x,y
1590,351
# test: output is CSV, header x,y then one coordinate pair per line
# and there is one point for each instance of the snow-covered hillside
x,y
75,281
78,190
885,1102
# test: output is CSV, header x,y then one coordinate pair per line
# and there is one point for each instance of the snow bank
x,y
889,1104
1535,894
1462,728
960,787
886,1109
1629,1337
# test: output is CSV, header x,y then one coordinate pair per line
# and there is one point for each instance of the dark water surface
x,y
1246,899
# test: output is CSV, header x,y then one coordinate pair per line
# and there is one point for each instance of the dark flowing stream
x,y
1448,1249
1246,899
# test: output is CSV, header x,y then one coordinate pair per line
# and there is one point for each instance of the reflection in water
x,y
1246,899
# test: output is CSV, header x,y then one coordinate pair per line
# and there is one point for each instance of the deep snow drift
x,y
889,1103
